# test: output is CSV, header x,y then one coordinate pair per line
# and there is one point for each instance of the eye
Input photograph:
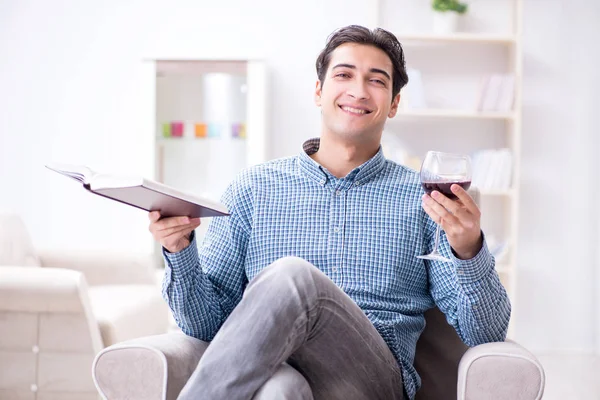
x,y
378,81
342,75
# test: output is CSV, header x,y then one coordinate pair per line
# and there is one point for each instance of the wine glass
x,y
439,172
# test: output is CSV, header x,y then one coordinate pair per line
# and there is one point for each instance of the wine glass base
x,y
435,257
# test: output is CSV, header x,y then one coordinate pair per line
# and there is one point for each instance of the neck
x,y
340,156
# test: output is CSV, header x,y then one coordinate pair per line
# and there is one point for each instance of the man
x,y
312,288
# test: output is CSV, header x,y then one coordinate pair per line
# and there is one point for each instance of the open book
x,y
142,193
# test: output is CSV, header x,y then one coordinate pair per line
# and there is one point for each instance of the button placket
x,y
336,239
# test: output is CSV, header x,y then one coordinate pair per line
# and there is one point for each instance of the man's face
x,y
356,94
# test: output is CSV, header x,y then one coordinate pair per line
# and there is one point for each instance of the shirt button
x,y
336,229
338,192
334,269
357,183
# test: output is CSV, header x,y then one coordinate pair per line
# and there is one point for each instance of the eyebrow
x,y
374,70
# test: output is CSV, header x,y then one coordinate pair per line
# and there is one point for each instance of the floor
x,y
571,377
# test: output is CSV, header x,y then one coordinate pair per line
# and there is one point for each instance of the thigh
x,y
345,357
285,384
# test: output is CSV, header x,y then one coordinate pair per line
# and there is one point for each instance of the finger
x,y
450,205
439,208
177,232
435,217
171,222
438,219
465,198
154,216
176,237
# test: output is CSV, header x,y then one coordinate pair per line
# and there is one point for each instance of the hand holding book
x,y
172,233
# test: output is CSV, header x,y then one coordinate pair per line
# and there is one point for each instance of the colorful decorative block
x,y
238,131
166,129
214,130
177,129
200,130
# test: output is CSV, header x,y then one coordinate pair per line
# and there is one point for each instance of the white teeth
x,y
353,110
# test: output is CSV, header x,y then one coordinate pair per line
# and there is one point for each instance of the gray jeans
x,y
292,312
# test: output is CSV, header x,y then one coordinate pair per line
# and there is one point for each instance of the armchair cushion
x,y
437,357
124,312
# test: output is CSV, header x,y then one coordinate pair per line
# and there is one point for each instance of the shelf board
x,y
449,113
484,38
187,139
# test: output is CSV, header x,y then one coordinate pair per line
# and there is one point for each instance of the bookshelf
x,y
451,68
209,123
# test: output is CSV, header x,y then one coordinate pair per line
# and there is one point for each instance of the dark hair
x,y
379,38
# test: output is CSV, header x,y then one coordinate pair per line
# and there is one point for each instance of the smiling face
x,y
356,94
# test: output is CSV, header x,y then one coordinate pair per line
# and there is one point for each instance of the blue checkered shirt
x,y
364,231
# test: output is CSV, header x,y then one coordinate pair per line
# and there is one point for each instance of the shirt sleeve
x,y
203,286
470,294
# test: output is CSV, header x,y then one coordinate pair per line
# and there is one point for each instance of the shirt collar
x,y
359,175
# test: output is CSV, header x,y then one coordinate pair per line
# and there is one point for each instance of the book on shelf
x,y
142,193
496,93
492,169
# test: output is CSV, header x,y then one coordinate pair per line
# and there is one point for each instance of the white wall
x,y
73,89
558,235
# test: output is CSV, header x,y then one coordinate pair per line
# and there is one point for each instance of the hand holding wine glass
x,y
446,178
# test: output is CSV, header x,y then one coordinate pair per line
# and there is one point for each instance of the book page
x,y
80,173
113,181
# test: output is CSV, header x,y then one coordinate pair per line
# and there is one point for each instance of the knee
x,y
292,266
291,269
286,276
286,383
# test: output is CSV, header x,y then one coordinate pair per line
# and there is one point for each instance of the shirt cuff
x,y
182,262
474,269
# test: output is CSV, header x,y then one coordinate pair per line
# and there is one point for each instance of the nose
x,y
358,90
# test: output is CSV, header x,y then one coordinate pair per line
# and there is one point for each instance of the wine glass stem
x,y
437,239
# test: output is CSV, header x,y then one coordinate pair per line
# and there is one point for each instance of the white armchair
x,y
58,309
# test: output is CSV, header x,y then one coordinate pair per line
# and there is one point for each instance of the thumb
x,y
154,216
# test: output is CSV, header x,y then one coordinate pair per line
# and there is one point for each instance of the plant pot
x,y
445,22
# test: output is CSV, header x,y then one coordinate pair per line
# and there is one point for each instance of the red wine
x,y
444,187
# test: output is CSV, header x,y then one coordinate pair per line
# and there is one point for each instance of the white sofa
x,y
58,309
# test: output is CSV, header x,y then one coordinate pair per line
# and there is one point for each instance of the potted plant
x,y
446,13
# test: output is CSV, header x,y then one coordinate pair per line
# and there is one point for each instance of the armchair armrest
x,y
102,268
163,363
41,290
501,370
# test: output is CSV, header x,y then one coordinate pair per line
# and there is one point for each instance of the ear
x,y
318,94
394,108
